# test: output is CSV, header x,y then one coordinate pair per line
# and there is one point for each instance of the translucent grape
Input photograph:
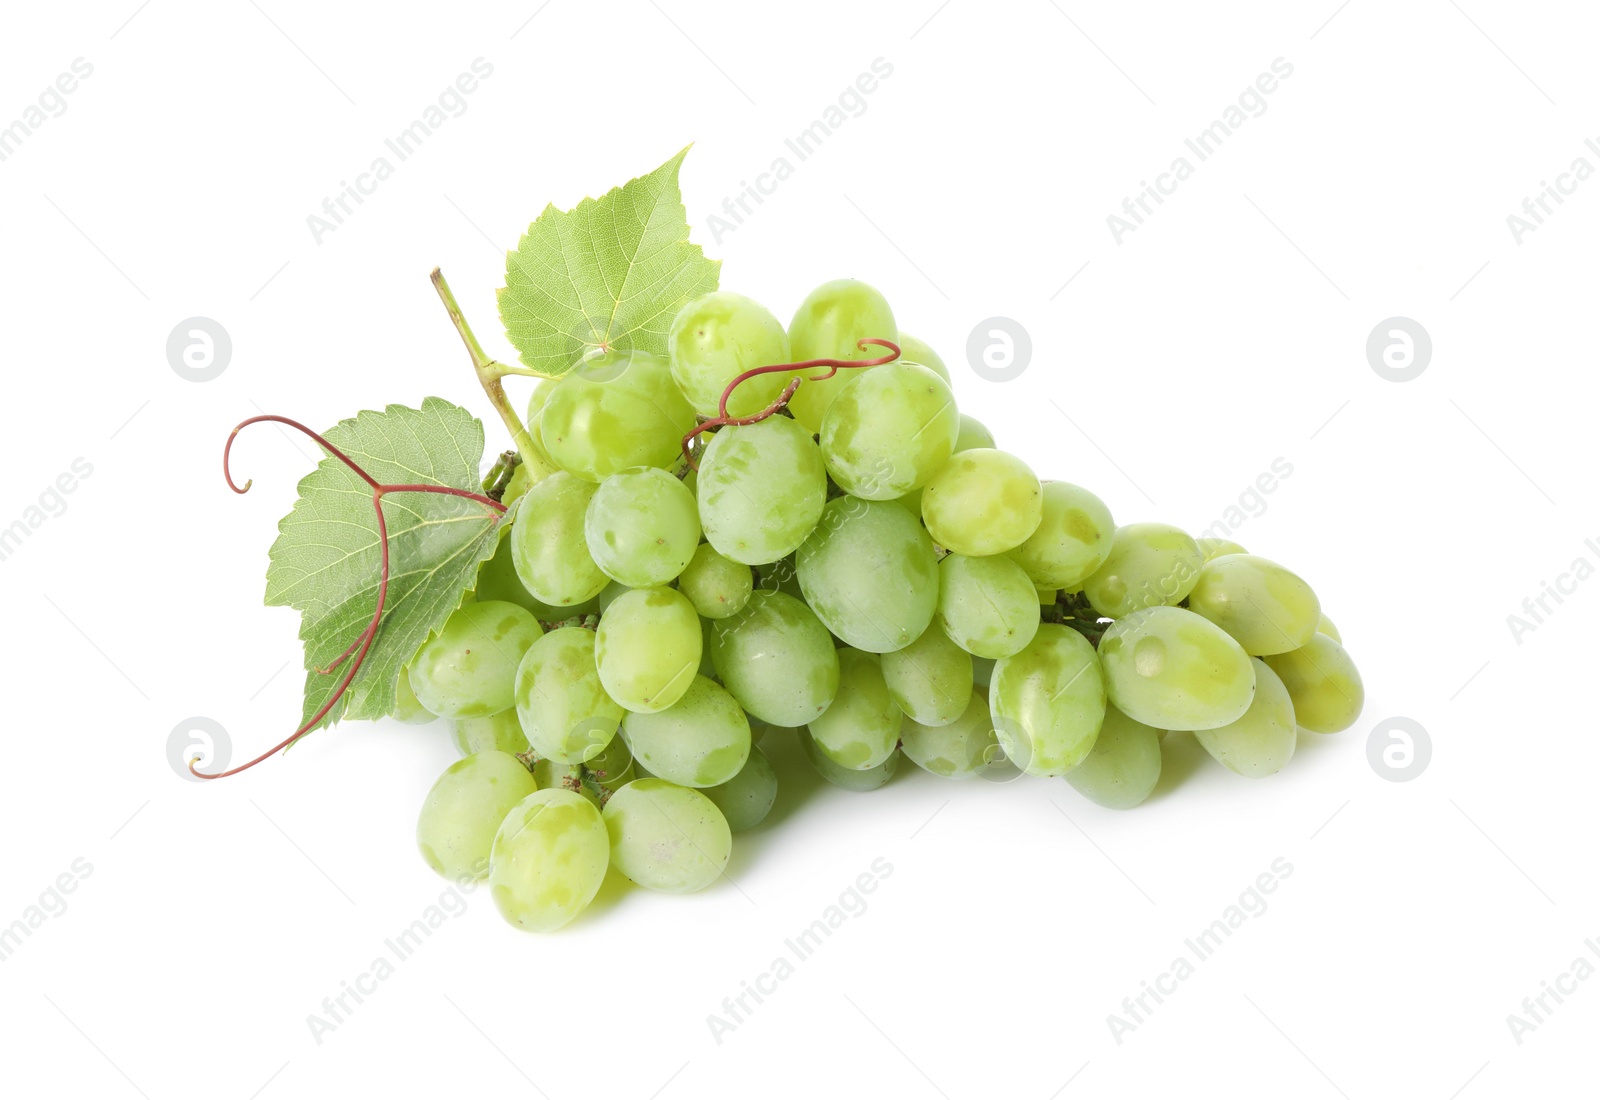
x,y
1171,669
930,679
563,709
987,606
777,659
780,576
407,708
1323,683
648,648
861,727
594,779
642,527
1150,565
747,798
1325,626
851,779
717,586
700,741
982,502
888,430
548,547
1262,740
870,573
913,350
464,809
1072,540
959,750
972,435
466,670
498,580
548,860
828,325
608,595
761,489
501,732
1265,608
666,837
1215,548
1048,701
618,410
1123,767
718,337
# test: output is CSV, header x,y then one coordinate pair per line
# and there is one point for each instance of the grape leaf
x,y
610,273
326,561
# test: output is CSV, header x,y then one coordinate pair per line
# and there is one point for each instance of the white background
x,y
1169,371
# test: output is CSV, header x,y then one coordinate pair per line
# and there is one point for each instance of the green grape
x,y
608,596
648,648
701,740
1072,539
761,489
1262,740
982,502
828,325
1150,565
717,337
707,668
959,750
913,350
1171,669
548,860
500,732
406,707
498,580
851,779
642,527
464,809
1124,765
780,576
1325,626
465,670
861,727
595,779
987,606
972,435
1048,701
1323,683
615,411
1215,548
538,398
931,678
564,711
1266,608
613,766
870,573
747,798
666,837
888,430
1047,596
777,659
717,586
548,547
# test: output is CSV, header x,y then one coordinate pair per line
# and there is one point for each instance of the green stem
x,y
490,372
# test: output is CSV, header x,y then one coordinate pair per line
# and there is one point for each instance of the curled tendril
x,y
723,420
357,649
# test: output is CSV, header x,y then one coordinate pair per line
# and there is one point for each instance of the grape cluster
x,y
860,569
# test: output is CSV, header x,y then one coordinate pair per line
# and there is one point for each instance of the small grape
x,y
717,586
1123,767
1171,669
747,798
548,860
464,810
466,670
860,729
1048,701
1323,682
642,527
828,325
1150,565
1260,741
666,837
982,502
647,648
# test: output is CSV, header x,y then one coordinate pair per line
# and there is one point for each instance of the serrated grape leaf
x,y
326,560
610,273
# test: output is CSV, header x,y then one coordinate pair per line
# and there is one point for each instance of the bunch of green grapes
x,y
848,577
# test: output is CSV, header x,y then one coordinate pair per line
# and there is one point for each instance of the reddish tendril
x,y
723,420
358,648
